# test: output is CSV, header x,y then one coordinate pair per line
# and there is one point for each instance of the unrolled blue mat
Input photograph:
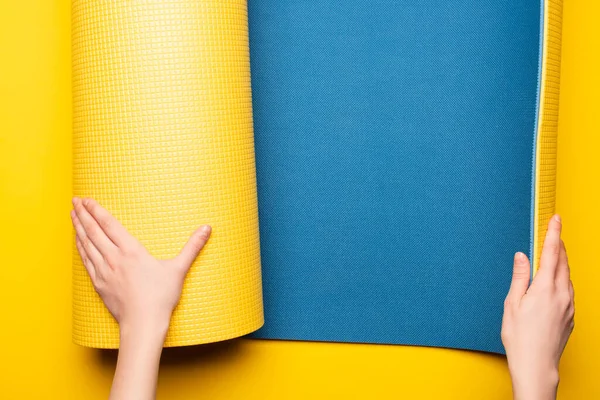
x,y
395,147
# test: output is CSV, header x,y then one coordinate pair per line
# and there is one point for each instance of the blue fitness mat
x,y
394,145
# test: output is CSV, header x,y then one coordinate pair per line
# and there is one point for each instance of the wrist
x,y
540,386
141,343
149,331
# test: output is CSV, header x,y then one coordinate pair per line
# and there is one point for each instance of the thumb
x,y
520,278
191,249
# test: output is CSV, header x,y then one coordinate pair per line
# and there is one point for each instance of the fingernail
x,y
205,231
74,200
86,201
72,214
557,218
520,257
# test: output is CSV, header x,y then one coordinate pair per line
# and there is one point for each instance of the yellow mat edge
x,y
545,168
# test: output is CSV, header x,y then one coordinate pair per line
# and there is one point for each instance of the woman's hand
x,y
139,291
538,319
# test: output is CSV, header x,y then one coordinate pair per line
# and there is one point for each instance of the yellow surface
x,y
163,138
40,362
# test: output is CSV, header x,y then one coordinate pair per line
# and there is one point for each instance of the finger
x,y
109,224
192,248
550,251
520,278
89,266
90,250
563,274
93,230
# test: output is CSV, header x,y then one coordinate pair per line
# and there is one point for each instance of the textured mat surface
x,y
162,136
395,146
405,151
545,182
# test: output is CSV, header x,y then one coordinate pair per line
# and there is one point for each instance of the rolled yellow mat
x,y
163,138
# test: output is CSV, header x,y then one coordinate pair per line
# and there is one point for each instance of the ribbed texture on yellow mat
x,y
163,138
545,190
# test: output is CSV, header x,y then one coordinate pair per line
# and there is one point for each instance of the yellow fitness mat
x,y
162,137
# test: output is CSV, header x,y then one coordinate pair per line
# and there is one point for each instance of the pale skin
x,y
141,292
539,318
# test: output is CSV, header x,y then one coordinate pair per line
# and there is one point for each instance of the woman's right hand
x,y
538,319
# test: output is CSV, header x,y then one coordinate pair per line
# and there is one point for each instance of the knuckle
x,y
125,251
508,304
556,226
564,300
92,232
195,244
554,249
106,223
87,244
98,286
111,258
520,274
200,240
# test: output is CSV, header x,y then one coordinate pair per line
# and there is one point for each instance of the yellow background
x,y
37,359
